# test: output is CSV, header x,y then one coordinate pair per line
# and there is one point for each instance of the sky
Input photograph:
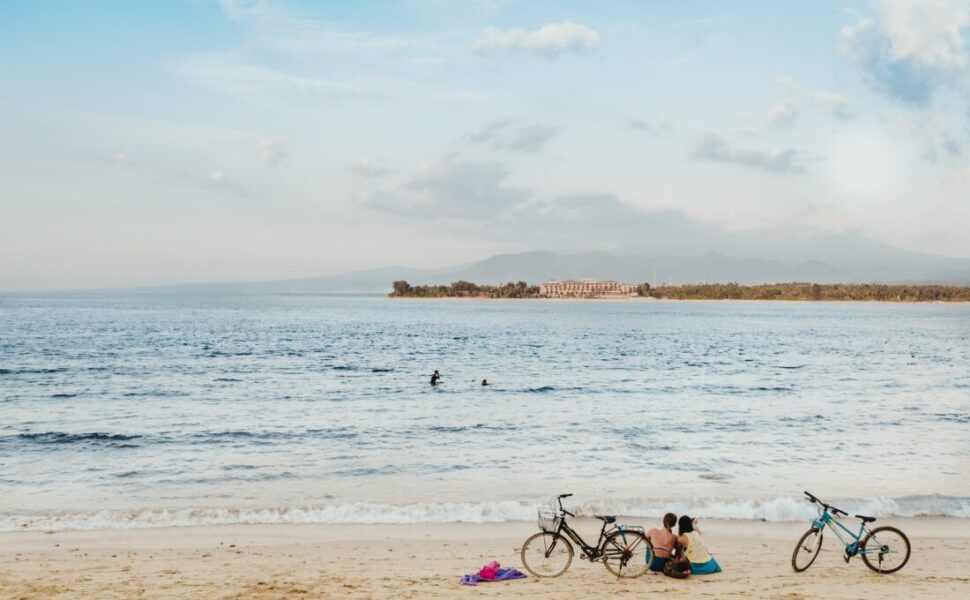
x,y
147,143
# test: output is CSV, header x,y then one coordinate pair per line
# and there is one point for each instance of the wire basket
x,y
548,519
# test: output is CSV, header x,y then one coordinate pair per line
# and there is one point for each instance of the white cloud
x,y
792,98
712,147
221,74
453,189
910,48
938,139
272,152
783,114
369,167
549,40
506,134
836,105
273,25
928,32
657,127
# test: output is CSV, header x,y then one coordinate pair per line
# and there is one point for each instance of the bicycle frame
x,y
592,552
851,548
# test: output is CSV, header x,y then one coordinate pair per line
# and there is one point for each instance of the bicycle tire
x,y
537,546
812,536
621,550
878,566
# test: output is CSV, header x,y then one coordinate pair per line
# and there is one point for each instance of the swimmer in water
x,y
435,377
484,382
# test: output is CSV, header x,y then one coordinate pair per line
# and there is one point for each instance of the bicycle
x,y
549,553
883,549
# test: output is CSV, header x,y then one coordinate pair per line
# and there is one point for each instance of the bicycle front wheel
x,y
546,554
807,550
624,553
885,550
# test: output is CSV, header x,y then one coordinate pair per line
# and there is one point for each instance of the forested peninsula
x,y
715,291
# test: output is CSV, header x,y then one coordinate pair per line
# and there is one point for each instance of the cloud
x,y
272,152
651,127
713,147
453,189
926,32
783,114
213,180
530,138
792,99
937,135
549,40
220,74
910,48
603,220
275,26
474,197
836,105
370,168
507,134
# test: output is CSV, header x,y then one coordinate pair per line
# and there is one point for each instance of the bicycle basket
x,y
548,519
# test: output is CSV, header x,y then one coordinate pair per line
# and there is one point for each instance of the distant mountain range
x,y
834,259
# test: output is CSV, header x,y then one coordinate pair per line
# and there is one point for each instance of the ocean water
x,y
155,410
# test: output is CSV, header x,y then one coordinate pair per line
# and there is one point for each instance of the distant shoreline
x,y
662,300
591,289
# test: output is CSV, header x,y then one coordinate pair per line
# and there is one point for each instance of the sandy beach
x,y
411,561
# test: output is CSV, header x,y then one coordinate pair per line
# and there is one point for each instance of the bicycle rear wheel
x,y
885,550
807,549
622,551
546,554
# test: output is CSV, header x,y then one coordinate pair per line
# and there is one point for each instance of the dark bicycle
x,y
624,550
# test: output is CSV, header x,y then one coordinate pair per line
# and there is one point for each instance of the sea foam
x,y
344,513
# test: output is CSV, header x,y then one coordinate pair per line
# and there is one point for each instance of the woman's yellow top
x,y
696,550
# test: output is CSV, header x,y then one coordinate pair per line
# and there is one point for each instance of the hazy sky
x,y
195,140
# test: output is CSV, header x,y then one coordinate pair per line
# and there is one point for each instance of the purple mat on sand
x,y
501,575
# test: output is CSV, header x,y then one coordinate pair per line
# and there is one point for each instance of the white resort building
x,y
586,288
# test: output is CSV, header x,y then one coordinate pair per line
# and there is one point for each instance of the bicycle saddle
x,y
606,518
866,519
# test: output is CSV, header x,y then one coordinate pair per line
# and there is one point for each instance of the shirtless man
x,y
663,541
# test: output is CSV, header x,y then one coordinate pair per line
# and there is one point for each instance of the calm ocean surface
x,y
153,410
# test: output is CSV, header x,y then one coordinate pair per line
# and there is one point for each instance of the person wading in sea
x,y
435,377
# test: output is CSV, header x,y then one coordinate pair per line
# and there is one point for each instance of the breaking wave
x,y
344,513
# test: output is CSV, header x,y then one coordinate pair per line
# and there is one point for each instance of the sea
x,y
154,410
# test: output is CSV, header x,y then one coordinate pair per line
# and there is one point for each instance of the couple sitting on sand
x,y
666,545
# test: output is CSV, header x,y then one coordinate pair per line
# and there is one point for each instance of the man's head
x,y
670,519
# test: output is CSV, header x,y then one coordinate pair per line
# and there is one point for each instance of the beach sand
x,y
426,561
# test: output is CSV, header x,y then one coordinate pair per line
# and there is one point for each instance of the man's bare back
x,y
663,541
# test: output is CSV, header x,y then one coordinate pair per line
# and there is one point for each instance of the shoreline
x,y
421,561
652,300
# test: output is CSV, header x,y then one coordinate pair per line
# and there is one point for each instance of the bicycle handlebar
x,y
837,511
564,511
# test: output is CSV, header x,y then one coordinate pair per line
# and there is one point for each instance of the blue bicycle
x,y
883,549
